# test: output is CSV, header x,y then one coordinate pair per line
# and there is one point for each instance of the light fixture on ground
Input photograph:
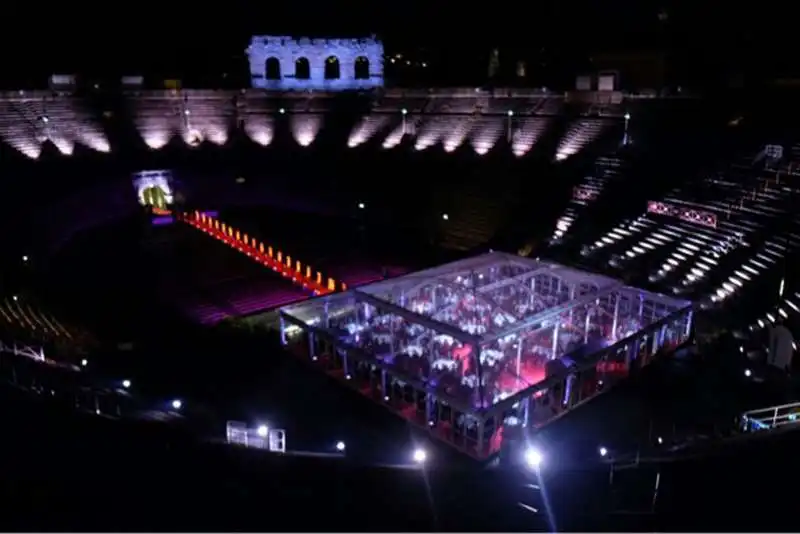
x,y
262,431
419,456
533,458
340,446
126,384
177,404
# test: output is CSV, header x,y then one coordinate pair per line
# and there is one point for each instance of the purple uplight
x,y
163,220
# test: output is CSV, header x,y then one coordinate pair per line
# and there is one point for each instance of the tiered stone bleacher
x,y
779,190
28,119
195,116
579,135
455,119
475,218
718,238
223,283
25,323
27,318
607,169
65,122
18,128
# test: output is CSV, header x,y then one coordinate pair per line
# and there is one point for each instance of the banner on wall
x,y
691,215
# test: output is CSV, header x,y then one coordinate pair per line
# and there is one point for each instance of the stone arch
x,y
302,68
361,68
272,68
333,69
342,52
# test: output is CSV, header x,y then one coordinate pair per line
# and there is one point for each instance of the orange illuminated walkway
x,y
294,270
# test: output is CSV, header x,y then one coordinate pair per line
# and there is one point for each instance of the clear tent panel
x,y
487,327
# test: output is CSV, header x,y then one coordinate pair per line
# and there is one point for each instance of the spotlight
x,y
126,384
533,458
340,446
419,456
177,404
660,440
748,373
262,431
603,451
84,362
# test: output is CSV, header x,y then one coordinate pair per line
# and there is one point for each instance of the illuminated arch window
x,y
361,68
302,69
154,196
332,68
273,69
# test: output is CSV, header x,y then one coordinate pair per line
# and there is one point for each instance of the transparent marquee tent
x,y
479,334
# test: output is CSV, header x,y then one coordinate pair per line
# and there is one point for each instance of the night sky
x,y
171,38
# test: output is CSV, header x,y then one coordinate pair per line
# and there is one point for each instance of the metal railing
x,y
771,418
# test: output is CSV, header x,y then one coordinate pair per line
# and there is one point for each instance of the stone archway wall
x,y
288,50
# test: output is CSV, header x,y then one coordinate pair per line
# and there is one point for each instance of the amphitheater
x,y
269,199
